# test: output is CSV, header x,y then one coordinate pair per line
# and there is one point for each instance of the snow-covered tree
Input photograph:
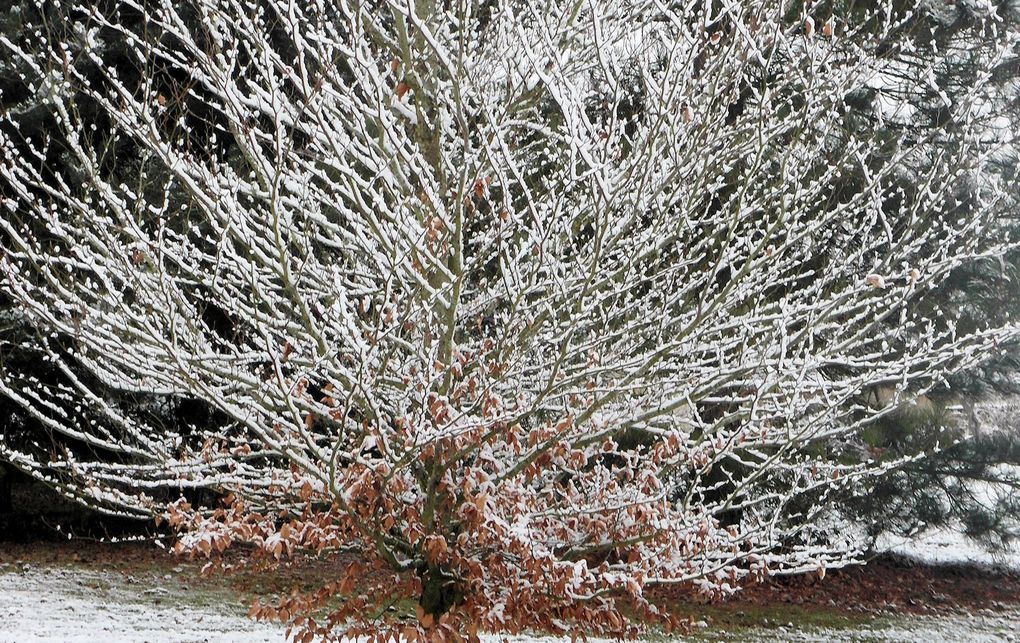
x,y
534,305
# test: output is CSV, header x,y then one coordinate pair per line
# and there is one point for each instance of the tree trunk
x,y
6,485
439,592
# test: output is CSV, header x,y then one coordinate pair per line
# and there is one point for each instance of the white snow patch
x,y
48,605
948,546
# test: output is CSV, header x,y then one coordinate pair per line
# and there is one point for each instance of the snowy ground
x,y
983,628
47,604
941,546
80,606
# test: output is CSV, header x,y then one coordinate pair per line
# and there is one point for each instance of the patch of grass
x,y
735,622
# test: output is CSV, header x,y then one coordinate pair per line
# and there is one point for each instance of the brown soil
x,y
887,584
893,582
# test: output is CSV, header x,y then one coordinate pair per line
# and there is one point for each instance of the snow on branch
x,y
533,304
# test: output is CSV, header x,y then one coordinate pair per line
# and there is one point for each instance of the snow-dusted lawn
x,y
941,546
80,606
63,605
983,628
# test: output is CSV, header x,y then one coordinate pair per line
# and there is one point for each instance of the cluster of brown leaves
x,y
514,529
487,524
